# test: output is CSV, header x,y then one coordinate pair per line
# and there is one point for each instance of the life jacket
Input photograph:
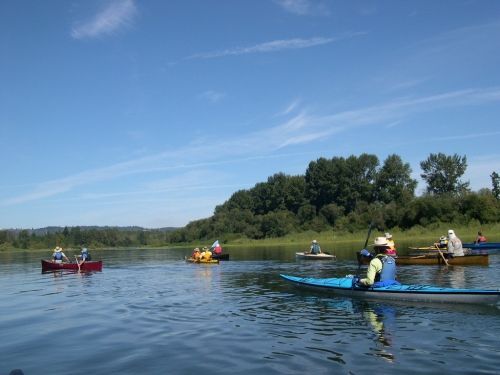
x,y
218,250
86,256
388,272
481,239
58,255
315,248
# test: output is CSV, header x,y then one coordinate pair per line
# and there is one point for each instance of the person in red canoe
x,y
84,256
58,255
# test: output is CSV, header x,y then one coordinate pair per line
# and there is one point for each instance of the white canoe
x,y
308,256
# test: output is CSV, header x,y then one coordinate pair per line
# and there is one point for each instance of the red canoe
x,y
48,265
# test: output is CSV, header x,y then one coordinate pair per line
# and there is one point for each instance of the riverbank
x,y
417,234
329,238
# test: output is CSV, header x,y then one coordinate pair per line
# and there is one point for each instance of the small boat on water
x,y
202,261
224,256
482,245
434,259
408,292
309,256
48,265
428,248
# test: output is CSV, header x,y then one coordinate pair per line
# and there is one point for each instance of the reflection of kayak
x,y
435,259
320,256
47,265
224,256
202,261
409,292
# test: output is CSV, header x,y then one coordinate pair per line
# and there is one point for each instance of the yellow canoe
x,y
202,261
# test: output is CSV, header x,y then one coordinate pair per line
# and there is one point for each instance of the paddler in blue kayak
x,y
382,268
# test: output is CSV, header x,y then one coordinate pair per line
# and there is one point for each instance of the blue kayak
x,y
482,245
424,293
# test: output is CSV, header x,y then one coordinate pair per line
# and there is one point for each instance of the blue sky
x,y
151,113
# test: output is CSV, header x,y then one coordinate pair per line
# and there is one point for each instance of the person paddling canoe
x,y
84,256
58,255
455,248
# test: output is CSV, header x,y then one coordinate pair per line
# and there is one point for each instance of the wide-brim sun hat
x,y
57,248
451,232
380,241
388,235
314,241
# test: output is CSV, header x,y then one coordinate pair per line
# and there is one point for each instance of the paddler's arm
x,y
374,267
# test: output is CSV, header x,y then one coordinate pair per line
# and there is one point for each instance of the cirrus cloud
x,y
115,16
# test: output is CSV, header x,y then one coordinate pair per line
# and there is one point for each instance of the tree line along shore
x,y
335,199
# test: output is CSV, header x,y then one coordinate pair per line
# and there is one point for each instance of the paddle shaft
x,y
77,263
442,256
368,236
366,243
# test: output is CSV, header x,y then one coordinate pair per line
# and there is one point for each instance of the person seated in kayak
x,y
455,248
382,268
206,254
196,254
480,238
58,255
392,247
84,256
315,248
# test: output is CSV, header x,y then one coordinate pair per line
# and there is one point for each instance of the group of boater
x,y
204,256
382,268
207,255
444,240
453,245
58,256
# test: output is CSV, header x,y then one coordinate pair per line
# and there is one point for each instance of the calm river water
x,y
149,312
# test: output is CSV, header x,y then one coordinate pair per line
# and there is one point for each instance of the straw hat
x,y
380,241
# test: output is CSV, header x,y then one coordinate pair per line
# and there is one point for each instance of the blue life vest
x,y
58,255
315,248
85,255
388,272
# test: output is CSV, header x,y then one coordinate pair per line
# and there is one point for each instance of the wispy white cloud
x,y
117,14
274,46
212,96
304,7
290,108
301,128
